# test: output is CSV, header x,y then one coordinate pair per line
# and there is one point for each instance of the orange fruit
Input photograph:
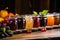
x,y
3,13
1,19
11,14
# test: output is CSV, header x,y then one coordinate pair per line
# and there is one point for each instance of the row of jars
x,y
33,21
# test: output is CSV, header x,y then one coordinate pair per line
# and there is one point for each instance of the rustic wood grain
x,y
35,35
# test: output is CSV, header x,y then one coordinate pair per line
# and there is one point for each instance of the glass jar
x,y
43,21
36,21
50,20
29,22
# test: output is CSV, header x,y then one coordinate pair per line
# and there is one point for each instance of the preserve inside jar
x,y
50,20
43,21
36,21
57,19
20,23
29,22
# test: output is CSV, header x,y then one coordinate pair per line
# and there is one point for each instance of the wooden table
x,y
35,35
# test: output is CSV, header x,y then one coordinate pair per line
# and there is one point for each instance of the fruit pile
x,y
5,30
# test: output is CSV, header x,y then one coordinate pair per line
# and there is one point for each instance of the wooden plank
x,y
35,35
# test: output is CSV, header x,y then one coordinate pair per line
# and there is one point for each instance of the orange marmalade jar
x,y
50,20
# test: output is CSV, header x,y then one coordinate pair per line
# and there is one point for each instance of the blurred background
x,y
27,6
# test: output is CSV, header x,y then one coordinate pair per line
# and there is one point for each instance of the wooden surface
x,y
35,35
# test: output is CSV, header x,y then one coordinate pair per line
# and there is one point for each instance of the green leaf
x,y
35,13
44,12
41,13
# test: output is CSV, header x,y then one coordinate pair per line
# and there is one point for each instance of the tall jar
x,y
43,21
29,22
56,16
50,20
36,21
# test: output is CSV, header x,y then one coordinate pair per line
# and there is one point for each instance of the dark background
x,y
8,3
27,6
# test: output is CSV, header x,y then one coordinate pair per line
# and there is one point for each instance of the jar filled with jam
x,y
56,16
12,24
50,20
20,22
43,21
36,21
29,22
